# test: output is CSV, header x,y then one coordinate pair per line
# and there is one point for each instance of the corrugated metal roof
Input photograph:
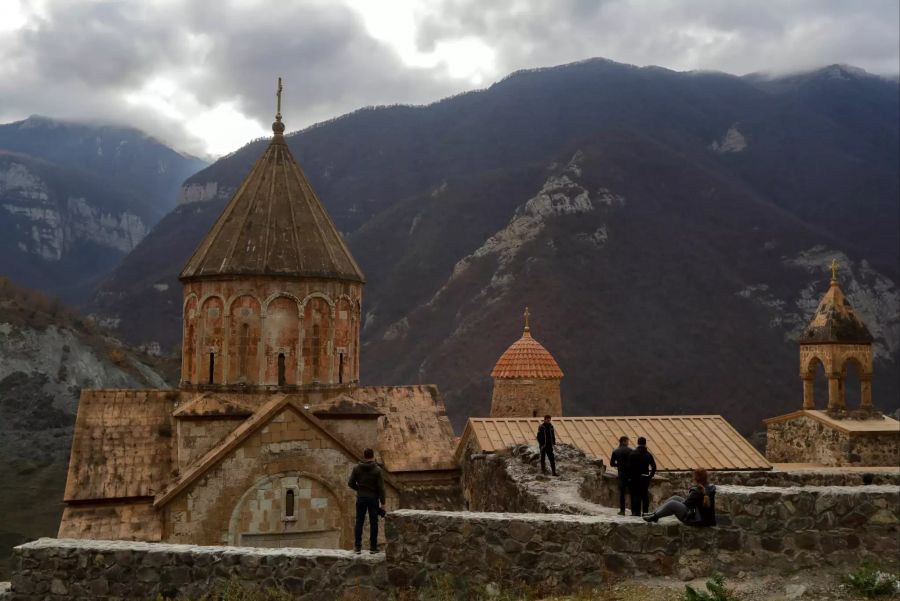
x,y
678,442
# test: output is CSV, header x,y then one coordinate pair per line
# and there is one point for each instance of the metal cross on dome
x,y
834,268
527,315
278,96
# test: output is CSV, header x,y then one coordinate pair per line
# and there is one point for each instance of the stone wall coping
x,y
118,545
517,517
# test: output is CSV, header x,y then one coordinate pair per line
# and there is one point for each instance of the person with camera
x,y
367,480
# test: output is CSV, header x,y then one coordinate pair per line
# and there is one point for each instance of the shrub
x,y
870,581
717,591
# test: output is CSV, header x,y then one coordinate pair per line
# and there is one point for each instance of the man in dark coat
x,y
619,460
368,482
546,438
641,469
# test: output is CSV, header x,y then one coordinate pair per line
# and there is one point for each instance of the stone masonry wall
x,y
760,529
65,569
518,397
806,440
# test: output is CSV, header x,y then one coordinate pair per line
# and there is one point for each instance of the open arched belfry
x,y
835,338
836,434
272,294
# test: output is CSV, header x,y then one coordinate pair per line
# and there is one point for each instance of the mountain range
x,y
75,198
671,232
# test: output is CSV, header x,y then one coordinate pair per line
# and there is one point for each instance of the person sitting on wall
x,y
641,469
698,509
619,460
368,482
546,437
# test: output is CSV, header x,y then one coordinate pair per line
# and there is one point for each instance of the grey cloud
x,y
81,59
737,36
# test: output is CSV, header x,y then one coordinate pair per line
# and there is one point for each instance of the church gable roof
x,y
274,225
265,414
414,433
122,444
835,320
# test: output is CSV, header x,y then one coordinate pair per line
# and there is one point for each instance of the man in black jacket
x,y
368,482
546,438
641,469
619,460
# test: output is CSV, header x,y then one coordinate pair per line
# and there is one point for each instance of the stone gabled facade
x,y
256,445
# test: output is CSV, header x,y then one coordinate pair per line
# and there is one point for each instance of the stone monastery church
x,y
255,446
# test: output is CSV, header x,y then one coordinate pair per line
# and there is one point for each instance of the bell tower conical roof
x,y
274,225
835,320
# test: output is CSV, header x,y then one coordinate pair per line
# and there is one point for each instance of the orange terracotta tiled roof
x,y
678,442
526,358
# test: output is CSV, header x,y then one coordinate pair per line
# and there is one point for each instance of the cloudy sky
x,y
200,74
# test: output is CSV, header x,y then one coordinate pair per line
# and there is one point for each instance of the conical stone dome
x,y
835,321
274,225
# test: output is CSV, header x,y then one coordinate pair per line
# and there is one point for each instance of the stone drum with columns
x,y
272,295
526,380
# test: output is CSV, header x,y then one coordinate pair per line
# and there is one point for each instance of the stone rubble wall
x,y
68,569
760,529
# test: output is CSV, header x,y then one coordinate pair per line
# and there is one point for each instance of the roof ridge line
x,y
294,224
271,199
246,215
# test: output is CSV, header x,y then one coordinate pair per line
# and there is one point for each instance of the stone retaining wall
x,y
67,569
761,529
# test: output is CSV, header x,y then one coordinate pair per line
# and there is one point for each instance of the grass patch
x,y
871,582
716,591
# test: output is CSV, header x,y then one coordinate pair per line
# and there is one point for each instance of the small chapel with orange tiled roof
x,y
526,379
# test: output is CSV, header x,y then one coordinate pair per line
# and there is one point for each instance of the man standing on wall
x,y
619,460
368,482
546,438
641,469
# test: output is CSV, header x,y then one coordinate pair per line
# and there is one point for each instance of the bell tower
x,y
834,338
272,296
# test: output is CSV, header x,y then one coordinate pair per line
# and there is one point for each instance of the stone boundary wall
x,y
69,569
760,529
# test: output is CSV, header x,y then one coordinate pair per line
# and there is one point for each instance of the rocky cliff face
x,y
74,199
47,356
